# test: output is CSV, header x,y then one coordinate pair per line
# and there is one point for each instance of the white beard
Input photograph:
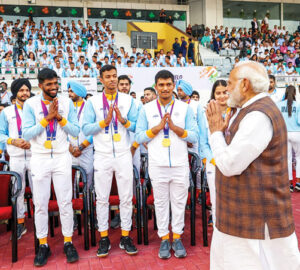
x,y
235,98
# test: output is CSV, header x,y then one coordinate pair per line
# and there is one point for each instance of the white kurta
x,y
234,253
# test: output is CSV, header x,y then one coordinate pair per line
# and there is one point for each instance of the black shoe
x,y
21,230
115,222
297,187
71,253
104,247
42,256
291,188
127,244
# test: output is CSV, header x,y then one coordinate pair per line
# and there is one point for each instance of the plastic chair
x,y
11,186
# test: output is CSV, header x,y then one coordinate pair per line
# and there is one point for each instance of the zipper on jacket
x,y
112,140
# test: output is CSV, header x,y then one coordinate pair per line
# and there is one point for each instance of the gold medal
x,y
48,144
166,142
117,137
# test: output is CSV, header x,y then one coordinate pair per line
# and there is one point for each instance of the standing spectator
x,y
189,30
162,16
183,47
254,25
191,50
176,47
170,20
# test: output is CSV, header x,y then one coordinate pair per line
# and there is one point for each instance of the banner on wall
x,y
89,83
201,78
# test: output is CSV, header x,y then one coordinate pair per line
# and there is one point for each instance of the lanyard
x,y
80,110
19,122
106,107
166,128
52,127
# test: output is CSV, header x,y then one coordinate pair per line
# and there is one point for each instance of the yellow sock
x,y
125,233
67,239
43,241
21,220
104,234
166,237
176,236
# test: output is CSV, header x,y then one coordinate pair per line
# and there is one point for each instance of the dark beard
x,y
50,95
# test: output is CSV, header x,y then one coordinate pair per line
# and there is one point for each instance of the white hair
x,y
256,73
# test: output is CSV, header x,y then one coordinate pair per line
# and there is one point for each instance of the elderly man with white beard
x,y
254,222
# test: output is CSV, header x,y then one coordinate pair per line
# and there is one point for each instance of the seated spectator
x,y
290,70
217,44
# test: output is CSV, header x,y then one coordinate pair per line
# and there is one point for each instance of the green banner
x,y
41,11
133,14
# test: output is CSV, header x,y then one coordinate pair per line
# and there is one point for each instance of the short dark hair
x,y
124,77
150,89
164,74
46,74
106,68
272,77
195,93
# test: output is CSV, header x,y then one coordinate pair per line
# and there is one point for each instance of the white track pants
x,y
294,144
211,175
20,165
59,169
169,185
104,168
235,253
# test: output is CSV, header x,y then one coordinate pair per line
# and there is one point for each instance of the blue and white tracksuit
x,y
293,128
51,164
19,158
111,156
168,166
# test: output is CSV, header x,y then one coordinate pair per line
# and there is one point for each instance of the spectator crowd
x,y
276,48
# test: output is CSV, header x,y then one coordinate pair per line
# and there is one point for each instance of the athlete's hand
x,y
161,125
119,115
53,110
20,143
109,116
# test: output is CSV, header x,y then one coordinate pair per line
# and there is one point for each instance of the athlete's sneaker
x,y
292,188
178,248
126,243
115,222
21,230
71,252
104,247
297,186
42,256
164,249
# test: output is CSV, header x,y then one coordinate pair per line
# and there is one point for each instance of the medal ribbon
x,y
52,127
80,110
19,122
166,128
106,107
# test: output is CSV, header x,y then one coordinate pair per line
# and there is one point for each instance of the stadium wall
x,y
165,34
